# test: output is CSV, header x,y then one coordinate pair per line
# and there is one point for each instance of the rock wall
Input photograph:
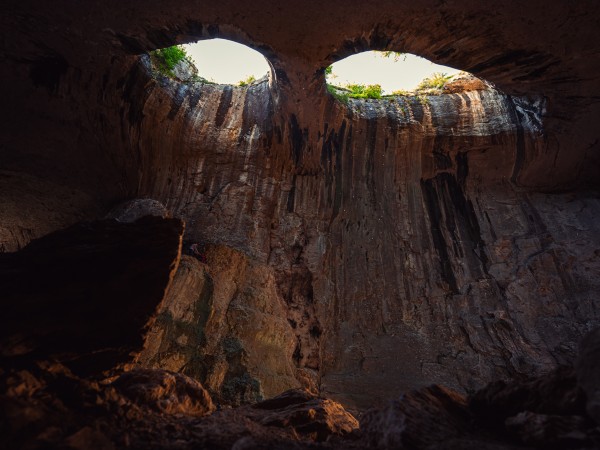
x,y
400,231
386,244
223,323
87,295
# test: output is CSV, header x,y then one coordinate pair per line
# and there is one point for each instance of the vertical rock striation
x,y
403,247
361,249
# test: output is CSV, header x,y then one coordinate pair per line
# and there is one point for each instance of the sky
x,y
228,62
392,75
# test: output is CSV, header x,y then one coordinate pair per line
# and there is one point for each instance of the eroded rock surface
x,y
588,372
43,405
384,245
400,225
86,294
46,406
135,209
545,412
166,392
225,324
307,414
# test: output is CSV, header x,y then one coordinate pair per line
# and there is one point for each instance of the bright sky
x,y
373,68
228,62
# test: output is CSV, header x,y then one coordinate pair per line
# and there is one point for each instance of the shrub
x,y
402,92
251,79
364,91
396,55
165,59
436,81
355,91
339,93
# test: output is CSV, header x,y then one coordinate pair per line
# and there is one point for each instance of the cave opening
x,y
214,61
352,254
373,74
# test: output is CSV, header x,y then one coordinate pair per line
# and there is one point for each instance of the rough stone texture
x,y
32,207
557,392
132,210
224,323
463,82
588,372
184,70
86,294
418,419
167,392
307,414
454,240
426,247
173,341
541,413
44,405
560,431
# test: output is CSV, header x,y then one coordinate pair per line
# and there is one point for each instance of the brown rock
x,y
419,419
154,409
307,414
555,393
461,231
588,372
132,210
285,399
165,391
89,439
465,83
551,431
86,294
174,341
193,332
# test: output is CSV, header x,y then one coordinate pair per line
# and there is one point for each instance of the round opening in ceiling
x,y
226,62
374,74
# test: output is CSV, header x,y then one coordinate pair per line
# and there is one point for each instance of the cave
x,y
185,264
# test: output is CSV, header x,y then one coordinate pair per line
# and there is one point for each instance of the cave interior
x,y
415,271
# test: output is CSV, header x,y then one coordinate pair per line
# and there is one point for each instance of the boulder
x,y
588,372
165,391
87,294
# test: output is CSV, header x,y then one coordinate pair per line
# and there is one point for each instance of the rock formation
x,y
224,324
87,295
409,233
46,406
358,250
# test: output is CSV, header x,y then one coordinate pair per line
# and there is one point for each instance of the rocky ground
x,y
359,250
85,346
45,405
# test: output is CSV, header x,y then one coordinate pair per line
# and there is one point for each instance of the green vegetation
x,y
364,91
432,85
389,54
198,79
436,81
165,59
424,99
251,79
429,86
402,93
340,94
372,91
